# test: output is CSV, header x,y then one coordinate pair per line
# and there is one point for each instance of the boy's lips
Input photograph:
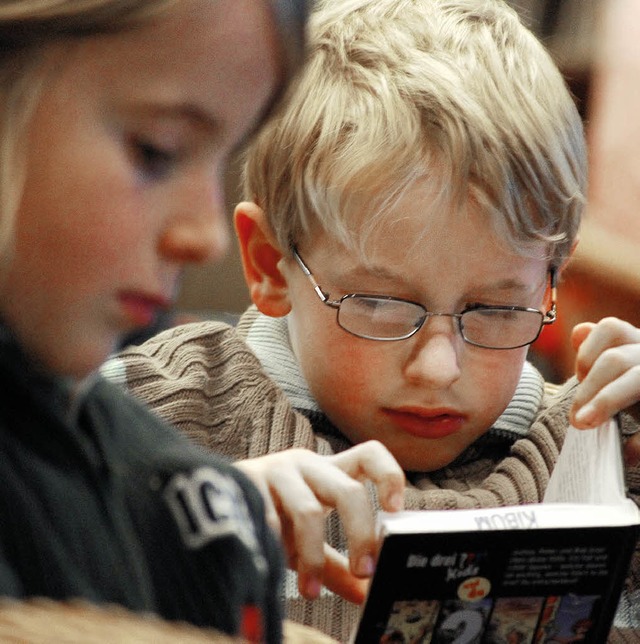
x,y
426,423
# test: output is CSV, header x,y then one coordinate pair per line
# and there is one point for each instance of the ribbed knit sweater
x,y
204,379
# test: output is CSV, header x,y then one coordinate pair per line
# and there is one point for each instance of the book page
x,y
589,468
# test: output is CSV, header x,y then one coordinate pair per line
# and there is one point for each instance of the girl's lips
x,y
141,309
426,424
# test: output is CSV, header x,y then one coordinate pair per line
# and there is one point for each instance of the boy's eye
x,y
152,160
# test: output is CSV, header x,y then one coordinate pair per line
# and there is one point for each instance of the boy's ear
x,y
260,255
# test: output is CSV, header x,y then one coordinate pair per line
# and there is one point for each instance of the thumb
x,y
579,333
337,577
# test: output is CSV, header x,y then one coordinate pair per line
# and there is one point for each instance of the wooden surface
x,y
624,636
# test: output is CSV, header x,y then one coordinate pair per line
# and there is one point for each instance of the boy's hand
x,y
299,486
608,368
338,578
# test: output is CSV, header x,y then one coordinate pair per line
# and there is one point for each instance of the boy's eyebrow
x,y
381,272
509,284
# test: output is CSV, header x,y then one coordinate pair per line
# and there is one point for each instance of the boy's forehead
x,y
419,215
435,279
421,235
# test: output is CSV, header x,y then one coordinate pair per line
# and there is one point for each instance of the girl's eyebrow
x,y
179,111
198,117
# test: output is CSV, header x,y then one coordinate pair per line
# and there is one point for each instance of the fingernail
x,y
396,502
313,587
586,414
365,566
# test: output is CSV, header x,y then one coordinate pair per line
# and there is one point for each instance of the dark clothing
x,y
101,500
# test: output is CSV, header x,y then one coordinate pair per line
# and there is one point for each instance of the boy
x,y
411,210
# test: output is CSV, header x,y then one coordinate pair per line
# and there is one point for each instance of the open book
x,y
549,572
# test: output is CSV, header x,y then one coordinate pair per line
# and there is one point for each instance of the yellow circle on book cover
x,y
474,589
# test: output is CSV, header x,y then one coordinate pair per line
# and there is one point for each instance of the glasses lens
x,y
497,328
379,318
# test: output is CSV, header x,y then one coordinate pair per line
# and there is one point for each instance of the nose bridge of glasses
x,y
455,319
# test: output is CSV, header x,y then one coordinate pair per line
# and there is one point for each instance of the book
x,y
550,573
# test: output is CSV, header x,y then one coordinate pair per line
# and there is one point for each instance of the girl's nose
x,y
434,361
197,231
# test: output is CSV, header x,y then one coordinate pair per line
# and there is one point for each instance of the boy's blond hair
x,y
457,91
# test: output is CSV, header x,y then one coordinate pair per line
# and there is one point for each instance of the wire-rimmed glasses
x,y
387,318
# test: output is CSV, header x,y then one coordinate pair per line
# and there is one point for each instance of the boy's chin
x,y
427,460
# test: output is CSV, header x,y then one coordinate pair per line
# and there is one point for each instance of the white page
x,y
589,468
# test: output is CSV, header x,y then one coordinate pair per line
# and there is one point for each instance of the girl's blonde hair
x,y
455,91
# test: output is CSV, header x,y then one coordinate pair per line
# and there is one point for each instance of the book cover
x,y
544,573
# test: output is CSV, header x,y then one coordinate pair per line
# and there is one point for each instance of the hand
x,y
608,368
300,485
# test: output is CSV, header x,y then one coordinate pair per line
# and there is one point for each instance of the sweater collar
x,y
269,339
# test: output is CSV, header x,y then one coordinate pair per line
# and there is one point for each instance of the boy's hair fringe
x,y
455,91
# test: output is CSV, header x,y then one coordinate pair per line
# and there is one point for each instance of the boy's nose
x,y
433,361
197,231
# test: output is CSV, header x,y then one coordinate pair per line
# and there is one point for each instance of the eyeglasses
x,y
381,317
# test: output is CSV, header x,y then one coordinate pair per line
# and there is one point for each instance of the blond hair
x,y
27,30
457,91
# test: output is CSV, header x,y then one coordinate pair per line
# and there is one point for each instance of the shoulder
x,y
192,373
200,347
135,430
204,379
247,320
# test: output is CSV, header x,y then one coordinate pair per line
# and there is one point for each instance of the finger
x,y
251,470
373,461
336,489
607,334
597,402
352,501
580,333
303,522
632,451
293,509
337,577
271,514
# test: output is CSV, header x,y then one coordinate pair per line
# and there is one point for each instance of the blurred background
x,y
596,44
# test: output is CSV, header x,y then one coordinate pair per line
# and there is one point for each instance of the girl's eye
x,y
152,160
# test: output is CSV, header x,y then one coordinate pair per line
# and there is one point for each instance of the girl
x,y
116,120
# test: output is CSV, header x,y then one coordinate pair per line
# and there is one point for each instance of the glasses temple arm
x,y
551,314
303,267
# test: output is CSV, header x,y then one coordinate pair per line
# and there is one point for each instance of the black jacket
x,y
100,499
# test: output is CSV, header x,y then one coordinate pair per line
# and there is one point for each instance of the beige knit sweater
x,y
204,379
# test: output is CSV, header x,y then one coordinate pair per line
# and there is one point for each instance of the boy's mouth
x,y
423,423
